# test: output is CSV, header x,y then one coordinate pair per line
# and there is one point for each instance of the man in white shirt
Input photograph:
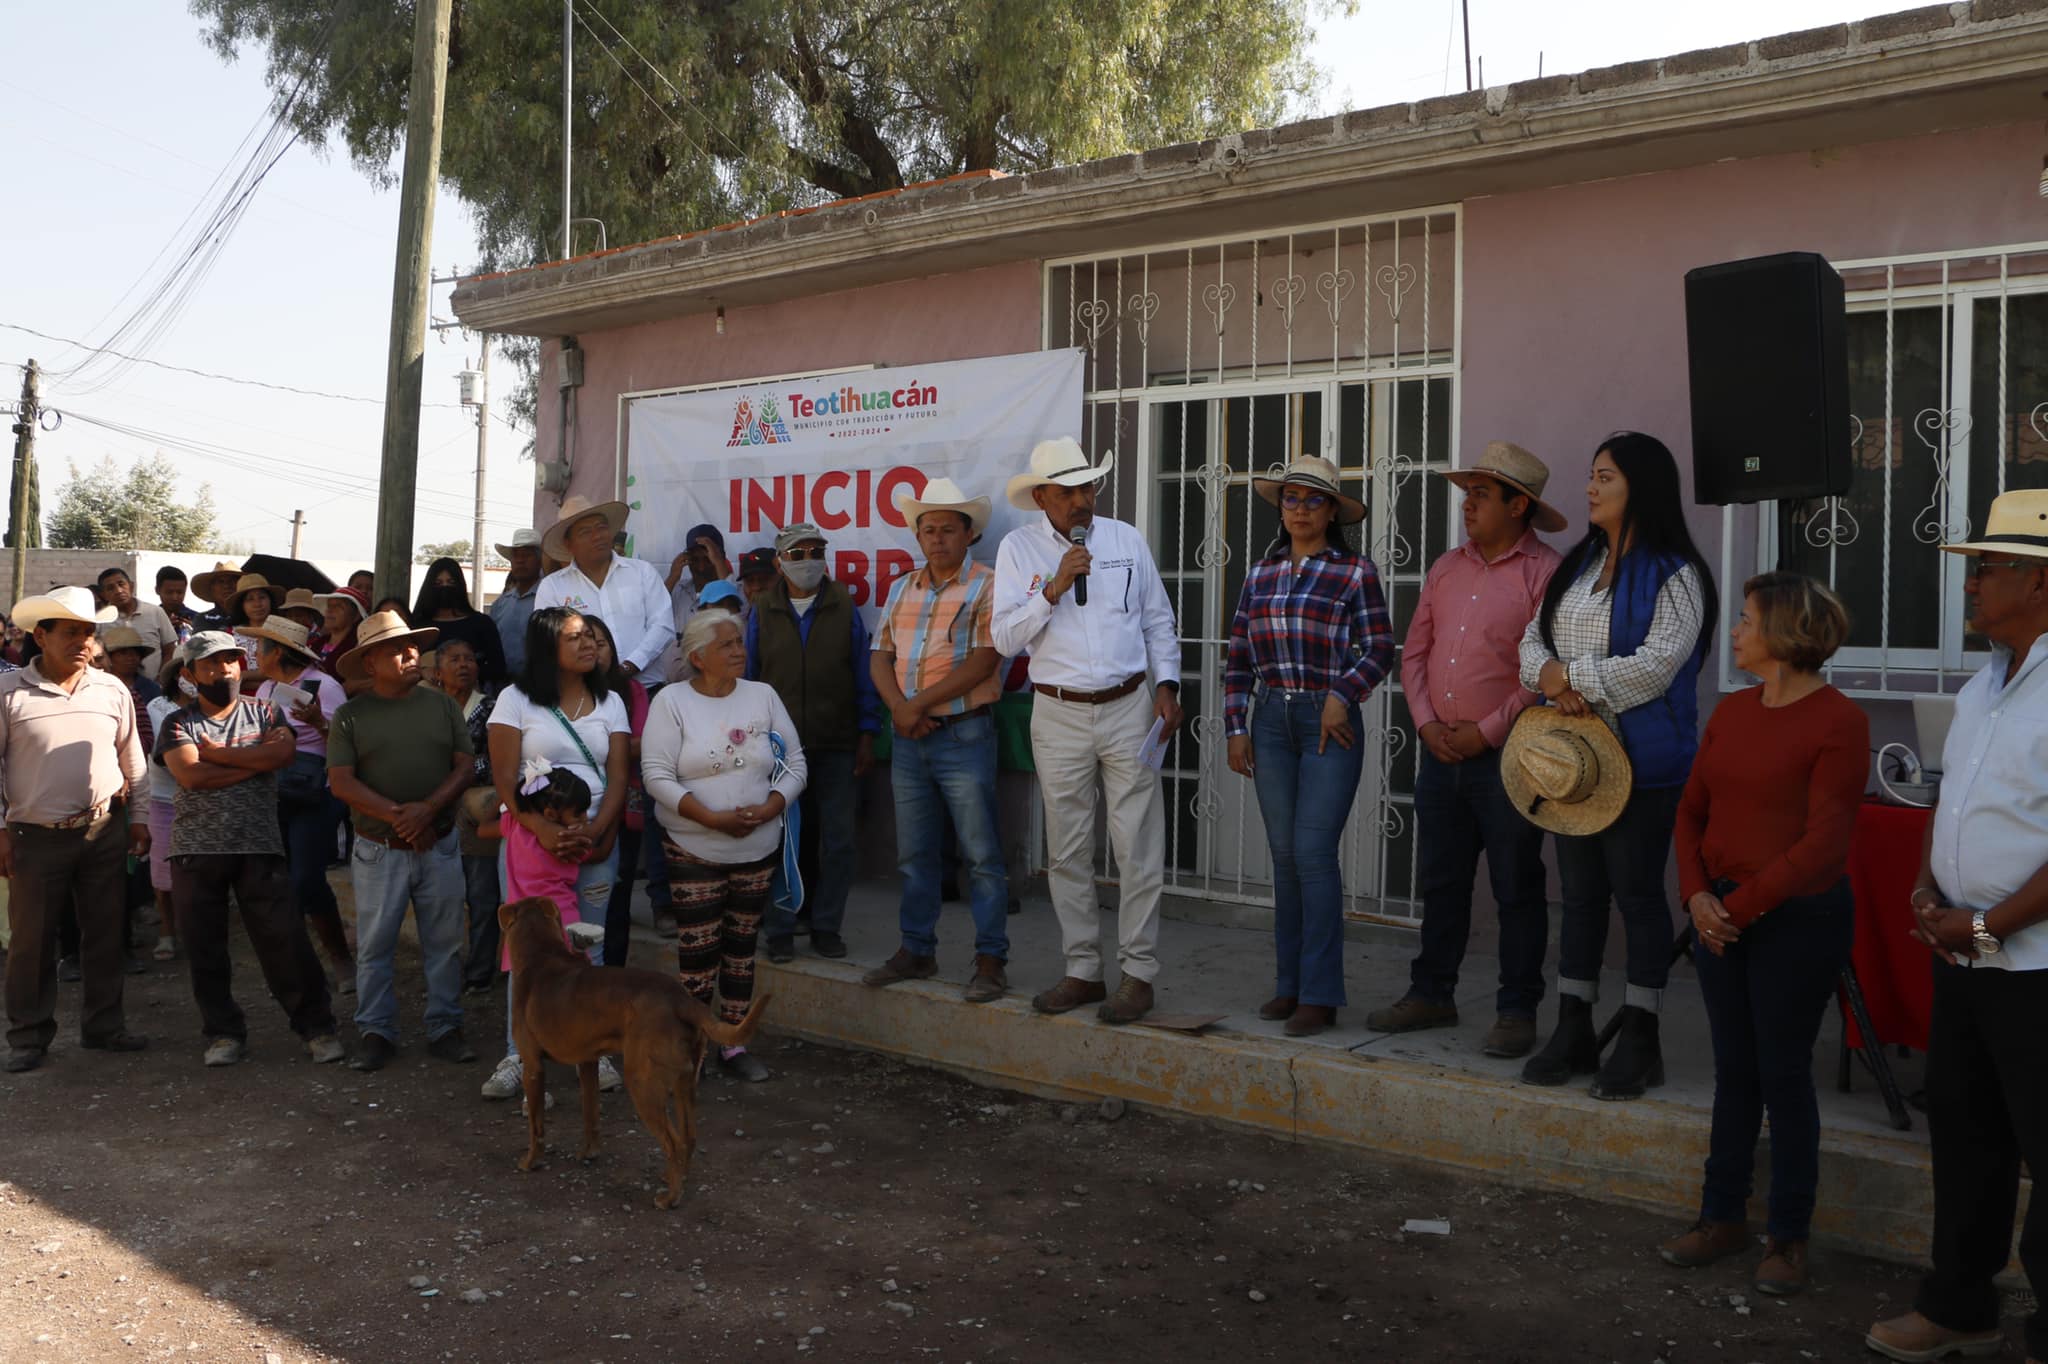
x,y
628,594
1981,904
159,632
1081,595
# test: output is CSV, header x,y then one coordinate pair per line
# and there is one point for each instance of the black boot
x,y
1572,1050
1637,1061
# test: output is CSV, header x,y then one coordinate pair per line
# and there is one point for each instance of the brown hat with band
x,y
282,631
386,627
1565,773
1315,473
1520,472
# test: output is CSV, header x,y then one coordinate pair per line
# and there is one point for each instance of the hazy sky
x,y
117,119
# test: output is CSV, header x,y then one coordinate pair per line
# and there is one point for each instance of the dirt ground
x,y
851,1208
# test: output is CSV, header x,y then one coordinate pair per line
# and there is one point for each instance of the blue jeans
x,y
951,772
1766,996
1624,863
386,879
618,911
1305,798
308,848
593,899
1461,809
826,849
481,890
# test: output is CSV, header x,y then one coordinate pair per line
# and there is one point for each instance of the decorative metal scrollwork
x,y
1141,310
1216,301
1391,823
1394,283
1333,287
1938,429
1836,525
2038,419
1288,292
1093,315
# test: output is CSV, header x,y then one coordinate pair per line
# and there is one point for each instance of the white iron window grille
x,y
1211,362
1948,391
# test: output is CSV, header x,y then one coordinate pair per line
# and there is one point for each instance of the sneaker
x,y
781,949
505,1081
453,1047
374,1052
828,944
585,937
225,1051
547,1103
325,1049
608,1077
67,969
742,1064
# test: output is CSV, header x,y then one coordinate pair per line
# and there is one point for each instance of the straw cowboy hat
x,y
1522,472
1310,471
1565,773
300,599
386,627
61,603
523,538
244,585
205,585
943,494
282,631
1059,461
2018,525
574,509
115,638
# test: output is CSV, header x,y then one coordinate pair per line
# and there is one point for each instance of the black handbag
x,y
303,784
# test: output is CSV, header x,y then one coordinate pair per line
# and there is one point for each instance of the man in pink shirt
x,y
1460,670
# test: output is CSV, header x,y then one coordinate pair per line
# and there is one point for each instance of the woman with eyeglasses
x,y
1310,641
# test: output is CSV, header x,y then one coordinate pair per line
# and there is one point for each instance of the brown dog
x,y
564,1008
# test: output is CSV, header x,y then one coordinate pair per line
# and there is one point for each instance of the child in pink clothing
x,y
561,798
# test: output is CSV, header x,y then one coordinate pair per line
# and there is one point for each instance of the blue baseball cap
x,y
719,591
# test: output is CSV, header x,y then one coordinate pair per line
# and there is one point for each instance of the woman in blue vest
x,y
1625,625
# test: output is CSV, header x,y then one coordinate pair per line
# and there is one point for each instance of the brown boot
x,y
1412,1015
1071,993
1783,1271
1310,1019
1131,1002
989,981
1277,1008
1705,1243
905,965
1509,1037
1914,1337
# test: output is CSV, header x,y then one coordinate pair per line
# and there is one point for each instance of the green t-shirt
x,y
401,748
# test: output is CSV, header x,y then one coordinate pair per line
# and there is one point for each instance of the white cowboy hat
x,y
283,631
943,494
1508,463
1059,461
1311,471
2018,525
60,603
1565,773
574,509
386,627
523,538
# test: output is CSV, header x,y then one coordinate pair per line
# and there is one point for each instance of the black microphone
x,y
1078,535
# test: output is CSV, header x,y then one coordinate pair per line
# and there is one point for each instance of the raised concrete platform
x,y
1423,1096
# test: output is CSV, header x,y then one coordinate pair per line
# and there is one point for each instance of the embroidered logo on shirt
x,y
1037,581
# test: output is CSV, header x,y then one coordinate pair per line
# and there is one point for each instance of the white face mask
x,y
804,575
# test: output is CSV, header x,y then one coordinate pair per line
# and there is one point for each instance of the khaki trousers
x,y
1073,744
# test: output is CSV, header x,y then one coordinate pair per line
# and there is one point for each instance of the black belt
x,y
974,714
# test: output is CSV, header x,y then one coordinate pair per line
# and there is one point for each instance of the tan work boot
x,y
1278,1009
1131,1002
1913,1339
1705,1243
1509,1037
1071,993
1412,1015
1783,1271
905,965
1310,1019
989,980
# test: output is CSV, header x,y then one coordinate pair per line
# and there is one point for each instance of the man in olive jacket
x,y
806,639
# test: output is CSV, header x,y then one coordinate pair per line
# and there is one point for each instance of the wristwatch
x,y
1980,937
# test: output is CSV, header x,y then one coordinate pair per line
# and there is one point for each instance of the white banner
x,y
837,450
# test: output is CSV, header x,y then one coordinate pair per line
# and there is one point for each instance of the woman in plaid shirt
x,y
1312,638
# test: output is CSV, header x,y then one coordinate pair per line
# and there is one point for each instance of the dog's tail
x,y
723,1033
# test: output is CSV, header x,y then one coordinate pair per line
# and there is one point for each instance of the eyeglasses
x,y
1295,501
1979,563
799,554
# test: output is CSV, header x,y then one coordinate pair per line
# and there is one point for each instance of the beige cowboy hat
x,y
205,585
283,631
1507,463
1310,471
60,603
523,538
1565,773
1059,461
301,599
943,494
386,627
2017,525
575,509
114,638
247,583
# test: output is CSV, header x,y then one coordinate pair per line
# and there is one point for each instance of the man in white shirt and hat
x,y
628,594
74,802
513,606
1081,595
1981,904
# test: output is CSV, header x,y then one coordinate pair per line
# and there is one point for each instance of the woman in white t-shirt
x,y
560,708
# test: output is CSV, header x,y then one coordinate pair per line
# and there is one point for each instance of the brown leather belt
x,y
77,821
397,843
1093,698
974,714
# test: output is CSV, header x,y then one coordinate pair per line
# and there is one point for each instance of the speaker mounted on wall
x,y
1768,356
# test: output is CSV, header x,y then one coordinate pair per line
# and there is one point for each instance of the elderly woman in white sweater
x,y
708,760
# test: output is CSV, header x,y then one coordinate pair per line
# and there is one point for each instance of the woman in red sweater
x,y
1763,841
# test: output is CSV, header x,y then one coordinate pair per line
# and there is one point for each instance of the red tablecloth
x,y
1898,983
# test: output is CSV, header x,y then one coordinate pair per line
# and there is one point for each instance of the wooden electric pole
x,y
411,281
298,524
25,418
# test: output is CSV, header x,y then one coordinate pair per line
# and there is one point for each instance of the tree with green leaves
x,y
458,550
107,509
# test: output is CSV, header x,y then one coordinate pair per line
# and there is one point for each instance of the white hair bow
x,y
533,774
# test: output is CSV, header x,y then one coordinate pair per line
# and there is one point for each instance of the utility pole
x,y
25,418
568,74
1465,22
398,482
298,524
483,428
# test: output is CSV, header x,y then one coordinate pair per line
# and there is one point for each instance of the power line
x,y
672,88
654,103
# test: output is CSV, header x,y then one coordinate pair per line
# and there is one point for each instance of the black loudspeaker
x,y
1767,347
